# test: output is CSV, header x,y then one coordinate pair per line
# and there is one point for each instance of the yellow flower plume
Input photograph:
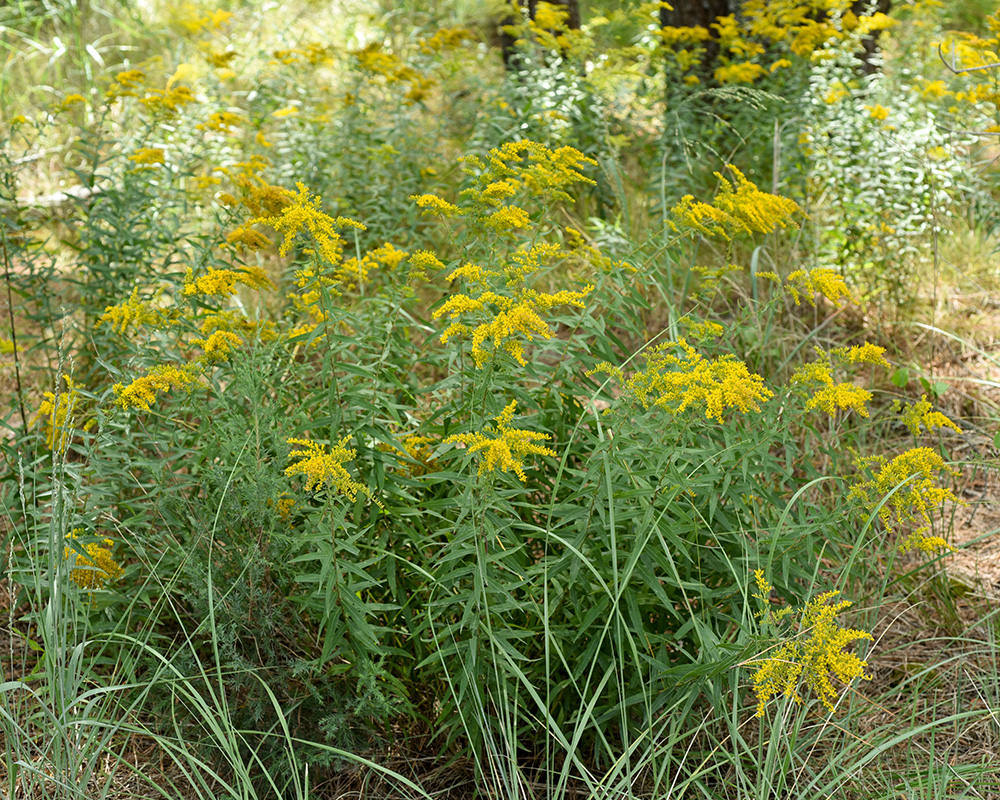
x,y
506,448
677,383
93,570
812,659
322,468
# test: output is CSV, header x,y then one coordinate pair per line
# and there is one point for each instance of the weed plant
x,y
338,441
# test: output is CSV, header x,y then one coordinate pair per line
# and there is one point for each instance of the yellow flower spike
x,y
909,485
141,393
56,409
507,448
222,121
507,218
822,280
844,396
678,382
133,312
512,316
420,262
812,658
304,214
326,468
432,205
97,567
915,415
148,156
830,396
739,208
218,345
222,282
866,353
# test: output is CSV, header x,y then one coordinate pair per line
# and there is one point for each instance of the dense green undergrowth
x,y
371,407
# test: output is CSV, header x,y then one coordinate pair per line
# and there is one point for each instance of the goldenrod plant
x,y
387,419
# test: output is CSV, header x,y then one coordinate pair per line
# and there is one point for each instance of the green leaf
x,y
901,377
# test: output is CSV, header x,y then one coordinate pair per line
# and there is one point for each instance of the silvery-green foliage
x,y
883,173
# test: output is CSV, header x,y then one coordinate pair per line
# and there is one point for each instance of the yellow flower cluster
x,y
505,447
507,218
676,383
167,101
194,20
505,316
148,156
432,205
236,322
56,409
547,28
303,214
577,246
374,59
817,377
417,452
421,261
124,83
878,113
821,280
906,492
222,282
141,393
763,28
812,658
866,353
259,197
739,208
915,415
312,52
222,121
445,39
135,312
218,345
95,566
321,467
739,72
354,272
975,57
546,174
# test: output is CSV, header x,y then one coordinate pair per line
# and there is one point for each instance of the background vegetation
x,y
456,399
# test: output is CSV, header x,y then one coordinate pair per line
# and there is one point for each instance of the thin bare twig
x,y
960,70
13,332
